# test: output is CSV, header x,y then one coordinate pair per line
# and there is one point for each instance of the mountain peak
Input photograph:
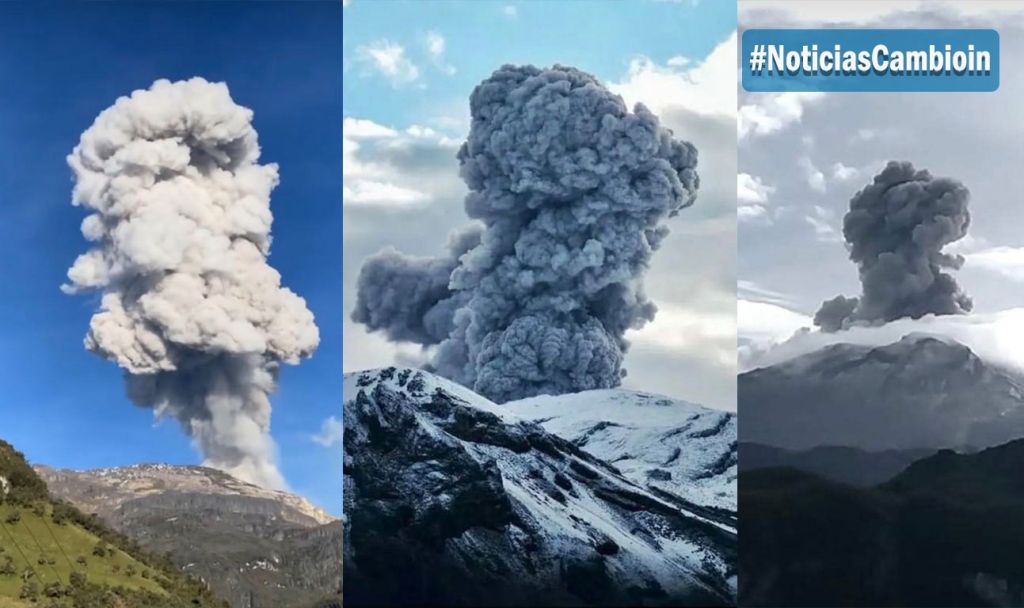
x,y
248,542
990,475
106,490
437,477
922,391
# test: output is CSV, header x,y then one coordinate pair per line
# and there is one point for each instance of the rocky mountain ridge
x,y
944,532
451,499
252,545
920,392
104,491
663,444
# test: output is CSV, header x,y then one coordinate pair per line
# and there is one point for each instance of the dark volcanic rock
x,y
450,500
945,532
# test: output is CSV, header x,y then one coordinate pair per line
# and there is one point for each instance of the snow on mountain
x,y
656,442
920,392
452,499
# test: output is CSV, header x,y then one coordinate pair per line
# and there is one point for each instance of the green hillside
x,y
53,556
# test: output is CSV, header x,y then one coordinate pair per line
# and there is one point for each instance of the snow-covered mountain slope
x,y
919,392
660,443
451,499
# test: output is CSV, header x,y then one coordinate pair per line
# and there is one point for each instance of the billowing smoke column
x,y
180,225
896,228
571,192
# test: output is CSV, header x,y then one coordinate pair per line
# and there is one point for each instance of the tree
x,y
29,591
53,590
8,568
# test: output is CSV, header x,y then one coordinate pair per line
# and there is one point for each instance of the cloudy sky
x,y
406,88
69,65
803,155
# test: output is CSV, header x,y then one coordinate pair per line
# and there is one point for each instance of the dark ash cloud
x,y
896,228
571,193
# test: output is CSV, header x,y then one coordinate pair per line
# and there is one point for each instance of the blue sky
x,y
599,36
410,67
63,406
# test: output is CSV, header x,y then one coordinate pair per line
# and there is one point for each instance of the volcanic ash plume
x,y
571,192
896,229
190,308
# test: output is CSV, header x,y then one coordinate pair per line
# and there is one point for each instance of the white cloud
x,y
866,134
707,87
763,325
357,128
388,59
812,175
1001,260
1005,261
766,319
373,193
510,10
751,197
435,45
370,176
843,173
748,213
995,337
821,221
767,113
750,189
332,432
678,328
749,290
967,245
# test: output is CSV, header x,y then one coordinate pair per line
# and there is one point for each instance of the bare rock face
x,y
451,499
253,546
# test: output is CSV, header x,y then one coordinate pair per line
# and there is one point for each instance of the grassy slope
x,y
33,535
45,527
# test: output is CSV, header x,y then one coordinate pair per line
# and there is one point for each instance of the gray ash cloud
x,y
896,229
569,192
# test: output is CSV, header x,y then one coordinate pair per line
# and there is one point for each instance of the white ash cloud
x,y
180,229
